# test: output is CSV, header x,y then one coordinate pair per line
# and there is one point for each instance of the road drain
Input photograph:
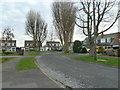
x,y
65,86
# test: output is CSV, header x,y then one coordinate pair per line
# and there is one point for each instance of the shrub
x,y
77,46
7,53
83,50
110,52
117,52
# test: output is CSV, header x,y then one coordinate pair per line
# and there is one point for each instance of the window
x,y
108,40
52,44
112,39
3,44
8,44
31,44
49,44
119,40
27,44
98,40
102,40
13,44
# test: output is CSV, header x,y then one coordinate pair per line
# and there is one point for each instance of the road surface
x,y
33,78
78,74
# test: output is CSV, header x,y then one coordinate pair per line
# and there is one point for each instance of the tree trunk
x,y
66,46
91,46
39,45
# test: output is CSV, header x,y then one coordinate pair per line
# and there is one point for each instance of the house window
x,y
112,39
31,44
108,40
119,40
13,44
49,44
98,40
3,44
102,40
27,44
52,44
8,44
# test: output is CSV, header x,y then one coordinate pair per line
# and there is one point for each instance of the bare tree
x,y
94,15
36,28
41,27
7,35
63,20
52,34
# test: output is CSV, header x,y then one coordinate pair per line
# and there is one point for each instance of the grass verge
x,y
26,63
34,54
39,51
109,61
11,55
2,60
68,53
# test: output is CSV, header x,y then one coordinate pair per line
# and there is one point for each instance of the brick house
x,y
107,40
9,45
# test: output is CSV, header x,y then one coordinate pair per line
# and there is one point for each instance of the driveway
x,y
78,74
33,78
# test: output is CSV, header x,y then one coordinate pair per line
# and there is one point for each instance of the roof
x,y
52,42
28,40
108,35
9,40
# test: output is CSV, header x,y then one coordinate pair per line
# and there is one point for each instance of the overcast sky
x,y
13,13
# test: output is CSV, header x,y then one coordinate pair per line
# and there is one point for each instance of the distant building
x,y
71,47
107,40
29,45
9,45
52,45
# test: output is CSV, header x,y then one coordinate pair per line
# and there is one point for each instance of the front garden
x,y
110,61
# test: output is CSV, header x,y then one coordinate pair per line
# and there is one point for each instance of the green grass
x,y
34,54
68,53
26,63
110,61
39,51
10,55
2,60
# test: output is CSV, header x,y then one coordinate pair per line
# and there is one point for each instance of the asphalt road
x,y
78,74
33,78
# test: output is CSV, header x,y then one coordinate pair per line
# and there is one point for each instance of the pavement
x,y
78,74
34,78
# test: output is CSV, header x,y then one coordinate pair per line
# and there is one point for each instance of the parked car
x,y
101,49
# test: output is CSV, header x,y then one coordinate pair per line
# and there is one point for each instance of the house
x,y
8,45
111,40
71,47
29,45
52,45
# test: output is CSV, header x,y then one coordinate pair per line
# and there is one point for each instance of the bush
x,y
117,52
77,46
7,53
110,52
83,50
